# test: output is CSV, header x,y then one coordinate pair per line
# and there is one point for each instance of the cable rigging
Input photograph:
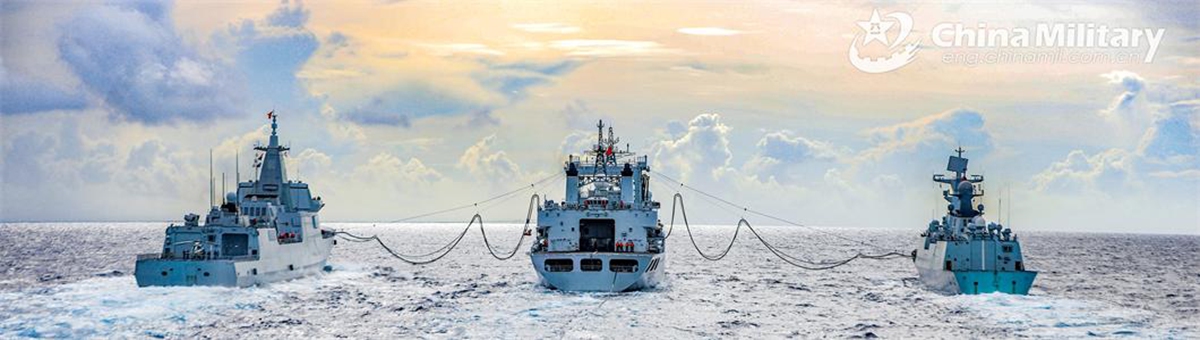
x,y
441,252
677,201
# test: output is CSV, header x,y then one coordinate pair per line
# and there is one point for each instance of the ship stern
x,y
599,272
151,270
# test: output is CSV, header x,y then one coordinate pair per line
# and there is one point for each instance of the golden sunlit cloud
x,y
558,28
710,31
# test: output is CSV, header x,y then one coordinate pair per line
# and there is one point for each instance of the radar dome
x,y
231,197
965,186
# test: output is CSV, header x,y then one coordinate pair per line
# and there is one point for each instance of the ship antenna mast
x,y
599,149
210,178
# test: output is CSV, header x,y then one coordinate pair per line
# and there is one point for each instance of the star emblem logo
x,y
900,51
876,29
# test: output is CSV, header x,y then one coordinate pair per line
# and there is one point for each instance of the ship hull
x,y
648,272
277,262
977,282
933,275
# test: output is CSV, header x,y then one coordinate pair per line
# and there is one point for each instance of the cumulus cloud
x,y
784,146
482,162
934,134
778,151
576,143
701,152
311,163
66,167
387,168
1123,106
131,57
1103,171
1169,147
1174,138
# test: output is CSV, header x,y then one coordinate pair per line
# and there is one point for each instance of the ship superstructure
x,y
268,230
605,234
963,253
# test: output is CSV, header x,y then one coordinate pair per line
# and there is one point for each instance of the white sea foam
x,y
61,285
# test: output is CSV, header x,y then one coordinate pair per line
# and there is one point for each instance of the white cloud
x,y
781,150
483,163
1102,172
385,168
610,48
129,55
935,134
1174,137
700,153
1123,107
576,143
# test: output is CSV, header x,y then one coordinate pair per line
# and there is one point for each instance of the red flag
x,y
609,151
269,114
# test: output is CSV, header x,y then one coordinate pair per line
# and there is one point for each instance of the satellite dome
x,y
231,197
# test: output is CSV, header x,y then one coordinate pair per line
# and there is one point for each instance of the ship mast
x,y
272,175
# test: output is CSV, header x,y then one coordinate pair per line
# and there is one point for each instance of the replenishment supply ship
x,y
605,235
963,253
267,231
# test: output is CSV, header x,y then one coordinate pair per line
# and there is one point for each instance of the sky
x,y
395,108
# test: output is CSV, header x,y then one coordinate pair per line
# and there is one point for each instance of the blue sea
x,y
75,280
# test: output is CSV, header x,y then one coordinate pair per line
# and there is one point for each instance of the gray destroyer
x,y
604,236
267,231
965,254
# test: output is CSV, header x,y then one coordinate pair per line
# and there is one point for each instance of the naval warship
x,y
965,254
266,231
605,235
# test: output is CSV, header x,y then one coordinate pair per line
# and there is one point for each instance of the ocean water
x,y
75,280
